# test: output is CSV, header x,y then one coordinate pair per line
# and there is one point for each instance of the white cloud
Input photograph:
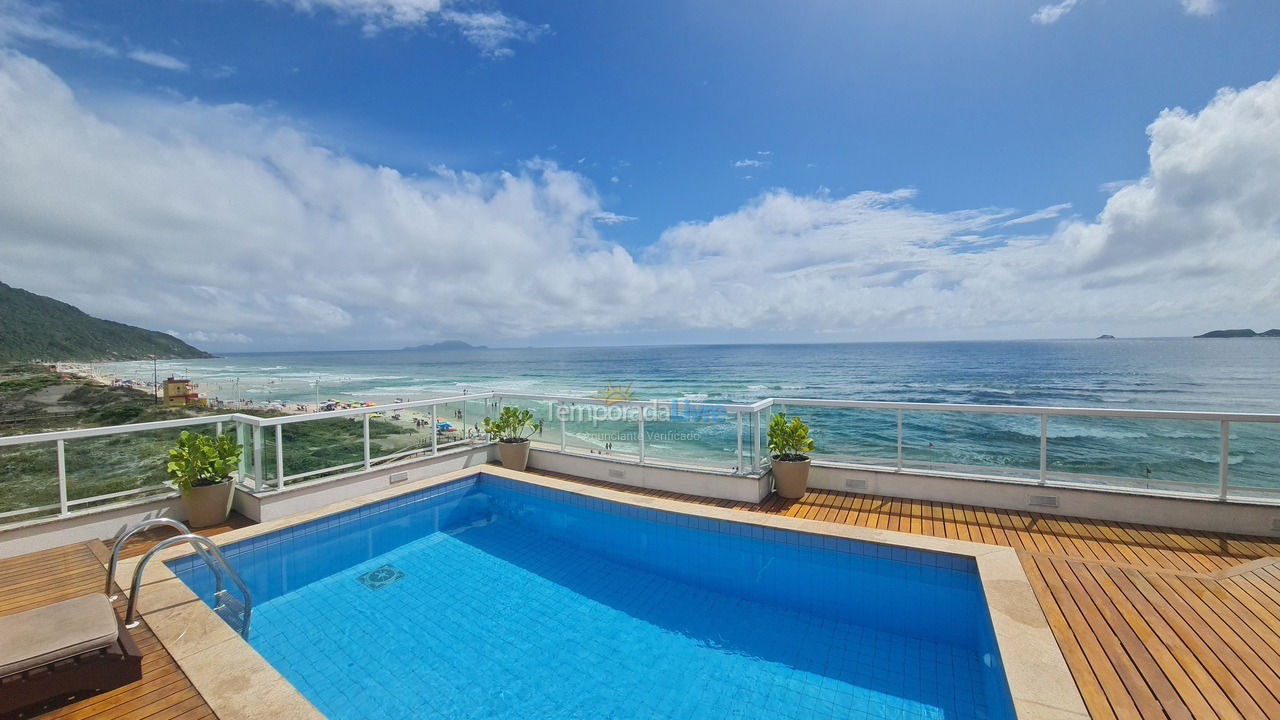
x,y
202,338
1053,12
1200,7
225,221
491,31
1048,213
375,15
22,22
1114,185
1049,14
1206,208
158,59
604,217
748,162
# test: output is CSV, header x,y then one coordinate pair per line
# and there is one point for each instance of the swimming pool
x,y
488,597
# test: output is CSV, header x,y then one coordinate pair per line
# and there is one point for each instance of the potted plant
x,y
788,443
512,430
201,468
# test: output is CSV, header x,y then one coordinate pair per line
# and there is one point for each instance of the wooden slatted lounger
x,y
73,648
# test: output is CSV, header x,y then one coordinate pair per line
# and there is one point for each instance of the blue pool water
x,y
490,598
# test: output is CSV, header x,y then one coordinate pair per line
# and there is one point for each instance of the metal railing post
x,y
435,433
63,508
640,436
365,423
1224,460
259,482
280,457
217,429
739,442
899,439
1044,449
564,436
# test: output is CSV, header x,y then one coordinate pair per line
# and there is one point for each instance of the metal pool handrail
x,y
213,555
144,525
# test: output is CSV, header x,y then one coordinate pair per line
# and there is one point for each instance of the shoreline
x,y
411,421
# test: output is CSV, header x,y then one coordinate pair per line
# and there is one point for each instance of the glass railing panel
x,y
28,479
269,474
701,436
1134,453
853,436
244,435
318,448
399,434
605,430
476,410
750,460
456,422
546,427
121,463
988,444
1254,465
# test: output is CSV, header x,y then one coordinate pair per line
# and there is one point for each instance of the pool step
x,y
230,609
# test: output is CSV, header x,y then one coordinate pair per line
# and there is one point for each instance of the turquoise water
x,y
490,598
1169,374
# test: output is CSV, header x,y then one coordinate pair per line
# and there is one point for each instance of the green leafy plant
x,y
513,425
200,460
789,439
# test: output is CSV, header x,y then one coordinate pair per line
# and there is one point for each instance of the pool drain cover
x,y
380,578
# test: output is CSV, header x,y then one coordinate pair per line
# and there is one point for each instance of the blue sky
x,y
669,115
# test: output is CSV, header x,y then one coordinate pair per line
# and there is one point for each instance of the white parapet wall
x,y
1114,505
94,524
302,497
704,483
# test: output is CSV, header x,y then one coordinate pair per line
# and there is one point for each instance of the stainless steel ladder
x,y
235,611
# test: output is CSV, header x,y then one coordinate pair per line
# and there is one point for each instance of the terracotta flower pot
x,y
209,504
791,477
514,455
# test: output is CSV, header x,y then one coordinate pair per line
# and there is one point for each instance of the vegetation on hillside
x,y
35,327
34,399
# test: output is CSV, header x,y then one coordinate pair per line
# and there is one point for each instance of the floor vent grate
x,y
1044,501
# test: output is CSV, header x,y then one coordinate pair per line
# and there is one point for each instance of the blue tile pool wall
x,y
290,558
901,590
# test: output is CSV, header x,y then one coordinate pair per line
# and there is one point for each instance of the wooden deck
x,y
1153,622
163,693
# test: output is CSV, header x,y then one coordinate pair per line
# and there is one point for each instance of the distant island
x,y
1106,337
448,345
35,327
1241,333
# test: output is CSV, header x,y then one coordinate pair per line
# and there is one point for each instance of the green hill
x,y
34,327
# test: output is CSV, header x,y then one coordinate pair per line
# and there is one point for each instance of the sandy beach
x,y
412,420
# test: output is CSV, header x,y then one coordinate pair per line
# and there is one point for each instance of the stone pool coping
x,y
239,684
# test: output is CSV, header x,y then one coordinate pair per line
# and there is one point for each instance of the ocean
x,y
1239,375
